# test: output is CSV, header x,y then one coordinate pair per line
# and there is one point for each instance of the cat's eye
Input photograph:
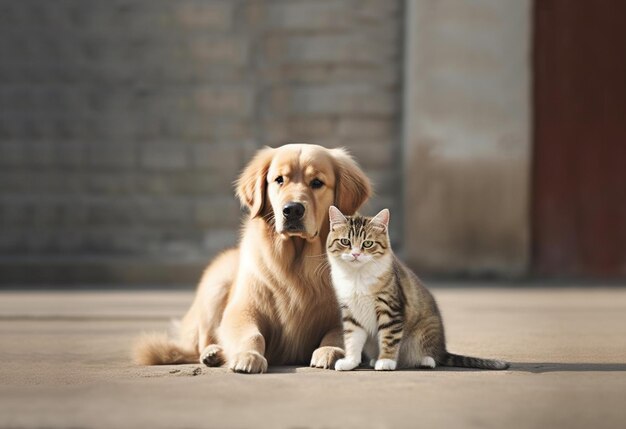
x,y
279,180
345,241
367,244
316,183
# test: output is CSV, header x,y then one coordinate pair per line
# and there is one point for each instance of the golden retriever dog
x,y
270,300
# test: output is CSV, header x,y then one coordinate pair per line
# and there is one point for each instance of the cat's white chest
x,y
354,290
364,311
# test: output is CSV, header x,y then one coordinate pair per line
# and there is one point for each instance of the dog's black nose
x,y
293,211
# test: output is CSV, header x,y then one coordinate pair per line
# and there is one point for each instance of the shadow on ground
x,y
532,367
526,367
539,368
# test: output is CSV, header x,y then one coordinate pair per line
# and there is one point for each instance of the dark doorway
x,y
579,177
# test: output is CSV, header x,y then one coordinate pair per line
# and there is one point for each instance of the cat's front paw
x,y
385,365
428,362
346,364
325,357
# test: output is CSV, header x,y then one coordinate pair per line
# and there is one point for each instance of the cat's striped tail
x,y
450,359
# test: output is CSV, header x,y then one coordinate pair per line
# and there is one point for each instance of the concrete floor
x,y
65,363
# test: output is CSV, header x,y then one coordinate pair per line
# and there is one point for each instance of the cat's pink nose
x,y
355,255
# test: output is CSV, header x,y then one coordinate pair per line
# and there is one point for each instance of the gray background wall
x,y
467,137
124,123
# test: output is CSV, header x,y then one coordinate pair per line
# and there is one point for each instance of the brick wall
x,y
124,123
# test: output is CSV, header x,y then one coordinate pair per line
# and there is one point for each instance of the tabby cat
x,y
388,315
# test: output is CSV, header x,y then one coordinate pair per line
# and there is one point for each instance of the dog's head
x,y
294,185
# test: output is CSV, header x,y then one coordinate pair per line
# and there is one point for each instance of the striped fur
x,y
387,313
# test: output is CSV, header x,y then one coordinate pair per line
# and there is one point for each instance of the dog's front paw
x,y
325,357
249,362
212,355
346,364
385,365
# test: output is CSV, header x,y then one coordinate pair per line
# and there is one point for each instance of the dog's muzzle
x,y
293,213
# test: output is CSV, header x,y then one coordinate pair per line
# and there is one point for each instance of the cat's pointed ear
x,y
382,219
336,217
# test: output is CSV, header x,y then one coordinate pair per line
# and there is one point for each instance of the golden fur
x,y
270,300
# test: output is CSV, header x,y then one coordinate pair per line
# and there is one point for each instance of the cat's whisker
x,y
316,256
321,267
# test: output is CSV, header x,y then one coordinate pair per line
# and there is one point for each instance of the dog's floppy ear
x,y
353,187
252,183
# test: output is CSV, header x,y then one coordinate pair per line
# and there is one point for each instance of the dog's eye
x,y
279,180
345,241
316,183
367,244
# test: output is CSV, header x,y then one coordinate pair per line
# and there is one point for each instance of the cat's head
x,y
358,240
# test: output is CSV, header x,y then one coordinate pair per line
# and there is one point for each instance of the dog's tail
x,y
450,359
159,349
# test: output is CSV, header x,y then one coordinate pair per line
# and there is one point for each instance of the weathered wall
x,y
467,136
124,123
